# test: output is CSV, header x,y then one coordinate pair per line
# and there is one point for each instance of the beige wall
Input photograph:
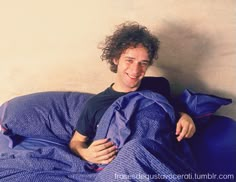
x,y
52,44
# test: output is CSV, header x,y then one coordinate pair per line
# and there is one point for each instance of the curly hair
x,y
129,34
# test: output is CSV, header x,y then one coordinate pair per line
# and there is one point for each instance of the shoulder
x,y
102,99
155,79
156,84
96,98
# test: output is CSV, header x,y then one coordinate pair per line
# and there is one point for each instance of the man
x,y
129,51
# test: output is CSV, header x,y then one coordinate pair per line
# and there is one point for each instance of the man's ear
x,y
115,61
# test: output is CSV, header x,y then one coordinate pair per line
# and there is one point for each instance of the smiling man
x,y
129,51
131,68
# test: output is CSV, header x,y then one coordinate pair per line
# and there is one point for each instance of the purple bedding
x,y
36,129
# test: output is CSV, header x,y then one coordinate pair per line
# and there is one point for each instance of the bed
x,y
36,129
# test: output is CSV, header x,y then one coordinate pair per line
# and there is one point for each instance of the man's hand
x,y
185,127
100,151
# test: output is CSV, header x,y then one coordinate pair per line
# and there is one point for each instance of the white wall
x,y
52,44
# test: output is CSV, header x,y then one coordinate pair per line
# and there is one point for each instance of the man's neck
x,y
118,88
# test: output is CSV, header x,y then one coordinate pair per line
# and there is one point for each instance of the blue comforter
x,y
142,124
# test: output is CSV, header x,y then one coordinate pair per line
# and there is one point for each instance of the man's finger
x,y
178,128
106,156
182,134
190,132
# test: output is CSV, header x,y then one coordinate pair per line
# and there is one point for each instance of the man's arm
x,y
100,151
185,127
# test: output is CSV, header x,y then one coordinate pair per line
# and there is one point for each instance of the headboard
x,y
53,45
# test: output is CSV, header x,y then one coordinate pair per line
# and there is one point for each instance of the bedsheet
x,y
53,161
34,157
145,115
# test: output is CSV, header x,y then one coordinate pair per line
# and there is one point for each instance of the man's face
x,y
131,68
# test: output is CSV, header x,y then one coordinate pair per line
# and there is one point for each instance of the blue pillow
x,y
201,106
47,115
214,146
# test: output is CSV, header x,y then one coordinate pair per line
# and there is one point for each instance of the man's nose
x,y
135,68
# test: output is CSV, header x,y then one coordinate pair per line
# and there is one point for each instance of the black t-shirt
x,y
97,105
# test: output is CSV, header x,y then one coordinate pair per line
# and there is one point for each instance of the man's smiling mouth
x,y
132,76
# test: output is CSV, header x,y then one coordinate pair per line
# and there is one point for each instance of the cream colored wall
x,y
52,44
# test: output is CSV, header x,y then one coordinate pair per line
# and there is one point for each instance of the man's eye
x,y
129,60
144,63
